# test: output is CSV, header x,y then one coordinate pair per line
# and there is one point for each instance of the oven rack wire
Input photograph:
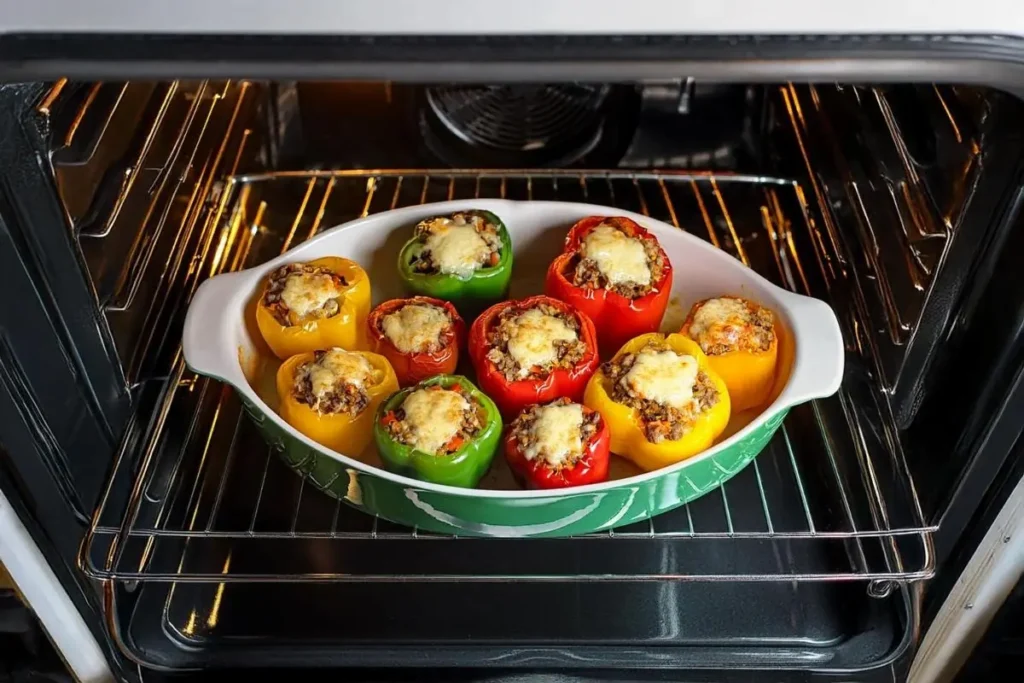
x,y
831,499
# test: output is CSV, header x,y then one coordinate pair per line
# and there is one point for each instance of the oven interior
x,y
897,204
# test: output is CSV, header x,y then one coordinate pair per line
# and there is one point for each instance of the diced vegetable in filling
x,y
417,328
531,343
457,245
668,390
556,433
297,293
435,420
335,382
610,259
730,324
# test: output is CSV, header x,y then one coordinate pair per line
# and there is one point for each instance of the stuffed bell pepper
x,y
739,339
320,304
331,395
532,351
443,430
662,401
465,258
616,272
557,445
420,336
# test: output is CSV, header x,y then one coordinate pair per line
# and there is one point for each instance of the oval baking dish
x,y
221,342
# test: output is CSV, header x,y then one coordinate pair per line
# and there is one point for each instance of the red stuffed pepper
x,y
532,351
616,272
558,445
419,336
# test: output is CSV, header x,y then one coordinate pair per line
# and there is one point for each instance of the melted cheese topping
x,y
338,366
456,248
663,377
619,257
415,327
305,293
433,417
556,433
721,321
532,338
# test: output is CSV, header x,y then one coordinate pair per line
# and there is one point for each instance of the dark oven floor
x,y
219,556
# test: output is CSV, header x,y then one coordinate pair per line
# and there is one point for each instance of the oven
x,y
862,155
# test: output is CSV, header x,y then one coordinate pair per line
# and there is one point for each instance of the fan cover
x,y
542,124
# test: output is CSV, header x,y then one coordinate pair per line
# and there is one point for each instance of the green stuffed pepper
x,y
443,430
464,258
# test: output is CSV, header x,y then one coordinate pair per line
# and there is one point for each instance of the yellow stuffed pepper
x,y
739,339
661,400
319,304
331,396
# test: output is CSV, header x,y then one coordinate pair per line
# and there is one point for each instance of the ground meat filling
x,y
417,328
560,346
729,324
661,422
586,273
411,423
458,244
286,278
329,394
524,430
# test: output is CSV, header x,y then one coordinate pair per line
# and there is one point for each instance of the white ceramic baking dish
x,y
219,342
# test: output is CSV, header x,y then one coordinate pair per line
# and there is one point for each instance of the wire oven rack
x,y
830,499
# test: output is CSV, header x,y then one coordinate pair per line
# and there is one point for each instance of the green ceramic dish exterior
x,y
564,514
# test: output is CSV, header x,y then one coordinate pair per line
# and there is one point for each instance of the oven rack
x,y
831,499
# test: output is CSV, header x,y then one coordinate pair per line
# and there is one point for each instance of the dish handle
x,y
208,341
820,353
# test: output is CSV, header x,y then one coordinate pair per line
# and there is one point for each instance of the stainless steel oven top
x,y
502,42
499,17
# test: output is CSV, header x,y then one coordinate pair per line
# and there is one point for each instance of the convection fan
x,y
528,125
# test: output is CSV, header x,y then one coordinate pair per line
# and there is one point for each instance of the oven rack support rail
x,y
196,496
